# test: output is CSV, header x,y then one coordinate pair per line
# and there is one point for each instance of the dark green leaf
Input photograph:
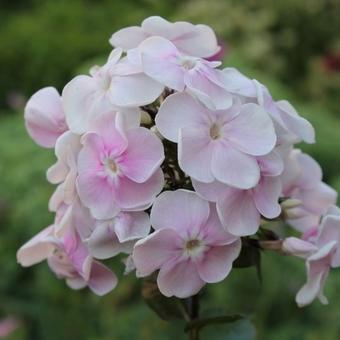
x,y
200,323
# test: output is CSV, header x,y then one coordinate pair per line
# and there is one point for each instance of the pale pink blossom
x,y
217,145
118,235
195,40
321,253
189,245
162,61
118,170
290,127
64,171
240,211
44,117
69,259
130,86
302,180
86,98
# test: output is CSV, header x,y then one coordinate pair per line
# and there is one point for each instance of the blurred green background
x,y
291,46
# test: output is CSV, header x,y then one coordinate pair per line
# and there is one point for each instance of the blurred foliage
x,y
44,42
283,38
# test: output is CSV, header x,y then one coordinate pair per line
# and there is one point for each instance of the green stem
x,y
194,308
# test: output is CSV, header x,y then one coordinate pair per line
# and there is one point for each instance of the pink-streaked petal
x,y
266,196
213,232
37,249
44,117
104,244
298,125
130,195
106,127
102,280
318,266
66,149
134,90
297,247
195,153
217,262
153,251
238,213
233,167
179,279
271,164
179,110
181,210
160,61
319,199
132,226
251,131
127,38
209,93
237,83
311,171
83,101
202,43
143,155
97,195
330,231
210,191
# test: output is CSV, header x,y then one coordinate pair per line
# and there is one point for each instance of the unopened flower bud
x,y
290,203
145,118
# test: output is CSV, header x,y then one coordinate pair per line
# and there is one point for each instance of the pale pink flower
x,y
64,171
162,61
217,145
195,40
321,254
86,98
290,127
240,211
69,259
118,235
44,117
189,245
302,180
130,86
119,170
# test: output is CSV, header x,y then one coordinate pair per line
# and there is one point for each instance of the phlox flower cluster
x,y
167,158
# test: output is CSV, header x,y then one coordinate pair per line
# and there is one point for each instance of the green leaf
x,y
250,256
222,319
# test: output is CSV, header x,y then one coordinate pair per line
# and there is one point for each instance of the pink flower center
x,y
215,131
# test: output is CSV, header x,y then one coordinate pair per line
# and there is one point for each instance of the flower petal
x,y
181,210
153,251
143,155
179,110
179,279
102,280
233,167
266,196
217,262
195,152
251,131
238,212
